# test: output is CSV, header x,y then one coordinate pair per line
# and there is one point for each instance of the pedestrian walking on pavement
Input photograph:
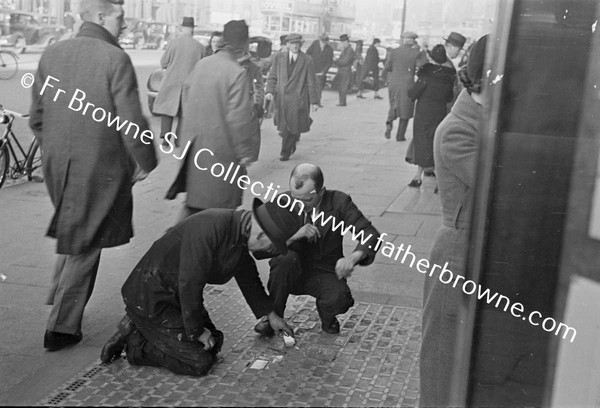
x,y
89,167
432,92
401,65
166,323
370,67
182,53
456,148
217,117
322,54
315,264
257,96
344,64
292,87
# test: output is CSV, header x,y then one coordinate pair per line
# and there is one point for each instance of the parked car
x,y
145,34
22,30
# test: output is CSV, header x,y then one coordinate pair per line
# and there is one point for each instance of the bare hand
x,y
207,339
279,325
315,107
344,268
246,162
269,96
308,231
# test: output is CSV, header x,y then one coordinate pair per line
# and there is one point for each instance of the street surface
x,y
374,360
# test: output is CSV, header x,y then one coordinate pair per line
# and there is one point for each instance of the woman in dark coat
x,y
456,147
215,42
432,91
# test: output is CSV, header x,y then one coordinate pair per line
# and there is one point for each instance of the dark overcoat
x,y
217,115
432,92
293,92
88,165
165,290
401,65
179,58
322,57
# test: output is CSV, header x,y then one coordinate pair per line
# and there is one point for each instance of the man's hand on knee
x,y
207,339
279,325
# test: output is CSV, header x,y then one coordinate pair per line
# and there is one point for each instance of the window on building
x,y
285,24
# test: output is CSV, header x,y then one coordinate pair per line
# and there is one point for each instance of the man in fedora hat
x,y
453,45
217,115
402,64
344,64
166,323
179,58
322,54
292,87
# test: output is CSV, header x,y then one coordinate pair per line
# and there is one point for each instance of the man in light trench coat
x,y
182,53
89,166
293,82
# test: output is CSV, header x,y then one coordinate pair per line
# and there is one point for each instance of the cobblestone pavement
x,y
373,362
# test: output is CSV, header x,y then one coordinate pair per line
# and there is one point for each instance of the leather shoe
x,y
377,97
429,173
360,97
263,327
331,328
116,344
415,183
341,104
284,158
54,341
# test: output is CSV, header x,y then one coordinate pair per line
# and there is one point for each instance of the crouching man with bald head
x,y
166,323
315,264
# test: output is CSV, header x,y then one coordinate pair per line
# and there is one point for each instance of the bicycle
x,y
9,64
32,158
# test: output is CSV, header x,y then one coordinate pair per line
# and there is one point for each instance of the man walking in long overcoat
x,y
344,64
322,54
292,80
182,53
166,323
89,165
217,115
370,67
402,64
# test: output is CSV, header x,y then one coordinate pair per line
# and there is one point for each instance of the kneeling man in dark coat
x,y
166,324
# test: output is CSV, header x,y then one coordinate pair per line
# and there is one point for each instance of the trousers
x,y
289,277
71,288
288,143
344,83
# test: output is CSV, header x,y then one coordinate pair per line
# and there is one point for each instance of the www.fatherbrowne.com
x,y
218,170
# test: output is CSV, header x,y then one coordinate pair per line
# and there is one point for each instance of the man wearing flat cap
x,y
292,87
322,54
166,323
179,59
402,64
344,64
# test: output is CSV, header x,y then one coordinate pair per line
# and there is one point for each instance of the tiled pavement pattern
x,y
373,362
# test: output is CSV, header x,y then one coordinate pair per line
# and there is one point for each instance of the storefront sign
x,y
274,5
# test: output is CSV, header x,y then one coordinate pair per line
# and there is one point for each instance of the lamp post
x,y
403,17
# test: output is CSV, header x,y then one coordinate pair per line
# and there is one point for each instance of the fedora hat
x,y
278,223
344,37
188,22
456,39
292,38
235,32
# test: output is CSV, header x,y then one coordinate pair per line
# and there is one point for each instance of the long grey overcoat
x,y
88,165
293,92
402,63
217,114
181,55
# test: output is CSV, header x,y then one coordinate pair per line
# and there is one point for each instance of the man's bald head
x,y
305,172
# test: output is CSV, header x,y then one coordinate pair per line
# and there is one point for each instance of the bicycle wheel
x,y
8,65
33,165
4,164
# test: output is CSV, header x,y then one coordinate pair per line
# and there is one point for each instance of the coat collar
x,y
297,67
93,30
467,109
